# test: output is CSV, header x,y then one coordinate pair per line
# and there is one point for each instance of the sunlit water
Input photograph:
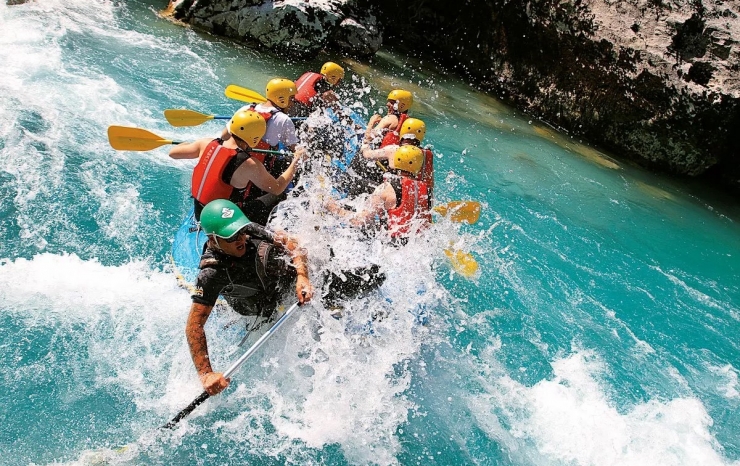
x,y
601,329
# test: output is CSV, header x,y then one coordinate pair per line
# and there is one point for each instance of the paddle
x,y
182,117
230,371
137,139
460,211
462,262
243,94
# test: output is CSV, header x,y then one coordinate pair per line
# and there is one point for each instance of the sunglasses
x,y
233,238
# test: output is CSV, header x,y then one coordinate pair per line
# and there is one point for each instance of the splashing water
x,y
600,328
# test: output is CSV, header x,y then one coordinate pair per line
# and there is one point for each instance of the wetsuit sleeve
x,y
208,285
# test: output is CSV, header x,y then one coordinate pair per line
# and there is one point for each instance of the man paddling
x,y
250,267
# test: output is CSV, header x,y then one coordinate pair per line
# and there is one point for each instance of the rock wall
x,y
293,27
654,80
657,81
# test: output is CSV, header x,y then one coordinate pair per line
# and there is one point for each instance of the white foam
x,y
570,419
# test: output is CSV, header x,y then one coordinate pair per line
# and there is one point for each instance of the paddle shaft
x,y
226,117
262,151
230,371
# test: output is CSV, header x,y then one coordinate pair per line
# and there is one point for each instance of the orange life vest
x,y
206,182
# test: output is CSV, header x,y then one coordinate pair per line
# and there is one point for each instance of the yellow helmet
x,y
413,127
403,98
408,158
332,72
249,126
279,90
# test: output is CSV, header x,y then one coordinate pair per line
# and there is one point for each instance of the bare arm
x,y
384,153
189,150
213,382
376,125
255,172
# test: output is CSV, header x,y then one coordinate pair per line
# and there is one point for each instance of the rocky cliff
x,y
654,80
657,81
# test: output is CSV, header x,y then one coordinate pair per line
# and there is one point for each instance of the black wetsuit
x,y
250,284
253,283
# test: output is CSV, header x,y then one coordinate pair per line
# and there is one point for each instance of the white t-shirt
x,y
280,127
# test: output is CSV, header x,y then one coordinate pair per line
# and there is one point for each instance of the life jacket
x,y
426,174
392,137
415,206
306,87
207,183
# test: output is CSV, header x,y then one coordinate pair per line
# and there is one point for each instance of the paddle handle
x,y
259,342
189,409
204,396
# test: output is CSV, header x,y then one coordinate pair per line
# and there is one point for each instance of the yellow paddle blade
x,y
243,94
460,211
125,138
177,117
462,262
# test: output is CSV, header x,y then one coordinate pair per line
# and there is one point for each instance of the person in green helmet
x,y
250,267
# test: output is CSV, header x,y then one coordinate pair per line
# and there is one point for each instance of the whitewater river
x,y
602,327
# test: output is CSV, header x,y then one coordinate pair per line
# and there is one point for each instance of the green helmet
x,y
222,218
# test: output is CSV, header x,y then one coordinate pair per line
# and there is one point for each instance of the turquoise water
x,y
602,328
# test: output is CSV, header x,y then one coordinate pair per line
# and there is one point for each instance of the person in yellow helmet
x,y
280,133
383,131
373,163
315,90
401,202
227,169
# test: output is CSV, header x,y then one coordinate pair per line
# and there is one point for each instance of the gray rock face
x,y
295,27
657,81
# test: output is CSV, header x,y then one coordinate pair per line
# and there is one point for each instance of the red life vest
x,y
426,174
306,87
413,208
206,184
392,137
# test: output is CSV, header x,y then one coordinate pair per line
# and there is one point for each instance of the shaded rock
x,y
293,27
